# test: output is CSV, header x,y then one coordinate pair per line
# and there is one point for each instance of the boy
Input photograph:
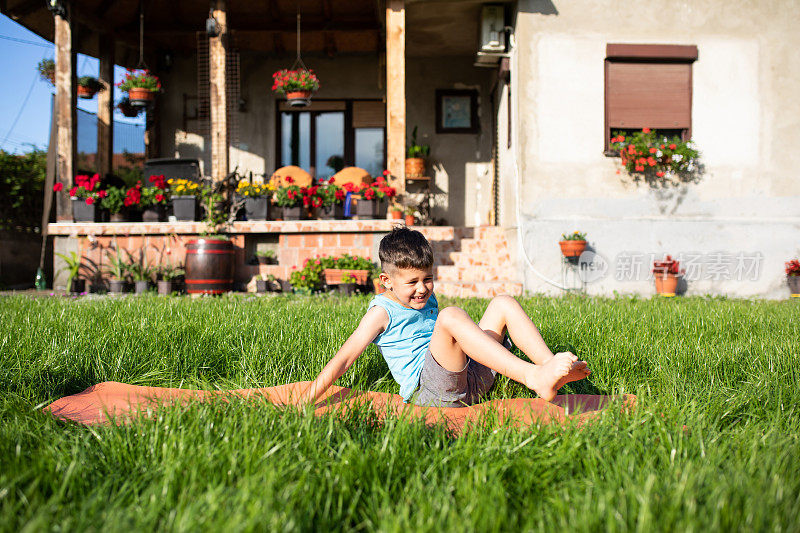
x,y
444,356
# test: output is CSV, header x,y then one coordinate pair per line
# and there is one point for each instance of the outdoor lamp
x,y
57,8
212,26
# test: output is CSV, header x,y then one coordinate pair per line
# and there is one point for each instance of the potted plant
x,y
257,198
127,108
154,200
168,274
410,213
666,274
141,87
261,284
267,257
415,157
72,266
290,199
396,211
334,268
347,285
793,277
47,70
656,159
331,200
141,271
296,85
572,244
114,203
184,198
374,197
88,87
85,195
117,269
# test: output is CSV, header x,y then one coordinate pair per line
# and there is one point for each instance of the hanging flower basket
x,y
126,108
88,87
141,87
140,97
296,85
47,70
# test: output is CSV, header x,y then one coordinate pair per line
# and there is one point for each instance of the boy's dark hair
x,y
405,248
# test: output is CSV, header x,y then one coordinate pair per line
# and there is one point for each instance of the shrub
x,y
22,179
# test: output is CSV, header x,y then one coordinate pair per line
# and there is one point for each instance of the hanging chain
x,y
142,64
299,61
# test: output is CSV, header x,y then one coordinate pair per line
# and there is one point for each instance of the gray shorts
x,y
439,387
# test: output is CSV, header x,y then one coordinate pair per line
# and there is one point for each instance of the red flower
x,y
631,149
159,197
317,201
369,194
89,201
653,150
291,194
386,173
662,146
645,130
58,187
381,179
306,201
73,191
673,146
331,180
289,179
651,161
102,194
313,190
340,194
621,138
660,174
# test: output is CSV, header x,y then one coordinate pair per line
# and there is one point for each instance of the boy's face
x,y
412,286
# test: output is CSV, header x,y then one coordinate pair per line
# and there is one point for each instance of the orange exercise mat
x,y
122,402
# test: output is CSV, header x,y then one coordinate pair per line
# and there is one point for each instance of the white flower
x,y
690,167
677,158
659,153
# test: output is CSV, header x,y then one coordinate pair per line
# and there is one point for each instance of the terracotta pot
x,y
85,92
415,167
572,248
298,98
396,215
409,220
666,284
333,276
140,97
794,285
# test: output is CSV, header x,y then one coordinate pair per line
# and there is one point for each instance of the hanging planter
x,y
126,108
297,83
88,87
141,87
47,70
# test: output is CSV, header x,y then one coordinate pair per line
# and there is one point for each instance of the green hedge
x,y
22,180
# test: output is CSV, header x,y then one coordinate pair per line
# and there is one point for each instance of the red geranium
x,y
58,187
793,267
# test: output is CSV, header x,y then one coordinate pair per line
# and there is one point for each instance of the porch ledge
x,y
189,228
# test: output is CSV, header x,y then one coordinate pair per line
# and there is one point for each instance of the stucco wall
x,y
744,118
461,163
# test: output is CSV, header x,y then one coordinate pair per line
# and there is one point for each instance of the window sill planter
x,y
415,167
154,213
331,212
298,98
122,216
293,213
256,208
367,209
184,208
333,276
164,288
794,285
572,248
83,212
140,97
666,284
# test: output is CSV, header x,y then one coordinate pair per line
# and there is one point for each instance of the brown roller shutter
x,y
653,95
369,114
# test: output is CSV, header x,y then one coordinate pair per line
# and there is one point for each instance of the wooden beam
x,y
66,119
105,106
396,91
103,8
25,8
258,25
217,53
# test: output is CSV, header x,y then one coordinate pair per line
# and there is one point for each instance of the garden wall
x,y
19,259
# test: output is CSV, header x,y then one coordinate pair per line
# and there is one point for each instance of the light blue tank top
x,y
405,340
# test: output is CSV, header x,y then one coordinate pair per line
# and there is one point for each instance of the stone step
x,y
481,273
486,289
487,259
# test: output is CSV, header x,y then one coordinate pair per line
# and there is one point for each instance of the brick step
x,y
486,289
488,259
481,273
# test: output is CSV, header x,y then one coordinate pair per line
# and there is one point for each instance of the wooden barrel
x,y
209,266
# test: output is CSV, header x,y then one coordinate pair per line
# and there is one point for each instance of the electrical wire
x,y
25,41
22,108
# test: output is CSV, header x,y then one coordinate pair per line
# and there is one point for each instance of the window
x,y
331,134
648,85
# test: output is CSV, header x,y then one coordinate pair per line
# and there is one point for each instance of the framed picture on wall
x,y
456,111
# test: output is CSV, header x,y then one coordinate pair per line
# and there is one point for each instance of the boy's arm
x,y
374,322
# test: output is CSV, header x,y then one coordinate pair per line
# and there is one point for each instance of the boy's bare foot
x,y
544,379
580,370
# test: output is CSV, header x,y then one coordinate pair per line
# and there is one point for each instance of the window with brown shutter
x,y
648,86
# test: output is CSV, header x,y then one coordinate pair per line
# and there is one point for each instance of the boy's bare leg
x,y
456,336
505,313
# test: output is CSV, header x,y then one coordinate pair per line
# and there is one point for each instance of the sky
x,y
25,99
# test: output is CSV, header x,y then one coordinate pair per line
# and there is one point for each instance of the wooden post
x,y
105,107
152,142
66,119
396,91
217,52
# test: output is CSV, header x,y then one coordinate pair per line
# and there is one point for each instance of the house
x,y
518,102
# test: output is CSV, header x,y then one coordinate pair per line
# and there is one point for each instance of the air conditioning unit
x,y
492,39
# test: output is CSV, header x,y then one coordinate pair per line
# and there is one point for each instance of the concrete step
x,y
486,289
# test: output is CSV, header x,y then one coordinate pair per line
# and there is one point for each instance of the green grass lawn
x,y
726,369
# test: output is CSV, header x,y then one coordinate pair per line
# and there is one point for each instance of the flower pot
x,y
209,266
330,212
141,286
333,276
285,286
572,248
164,287
184,208
261,285
116,286
154,213
415,167
256,208
83,212
396,215
378,286
77,286
794,285
666,284
140,97
366,209
293,213
85,92
129,111
298,98
122,216
409,220
347,289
